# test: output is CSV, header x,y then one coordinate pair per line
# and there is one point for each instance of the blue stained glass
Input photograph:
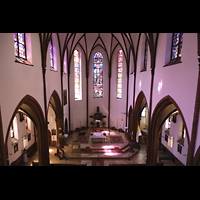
x,y
119,74
19,45
77,74
177,44
51,55
98,75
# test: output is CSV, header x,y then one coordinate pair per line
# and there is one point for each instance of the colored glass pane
x,y
19,45
119,74
146,54
16,48
177,43
77,74
51,55
98,75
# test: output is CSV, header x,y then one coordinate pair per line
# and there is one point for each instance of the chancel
x,y
97,117
67,98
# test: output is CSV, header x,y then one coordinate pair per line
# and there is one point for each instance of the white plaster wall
x,y
118,106
53,78
65,87
78,108
143,79
180,80
16,79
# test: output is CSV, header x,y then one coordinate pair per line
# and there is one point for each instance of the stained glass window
x,y
177,42
20,45
77,74
119,74
146,54
51,55
98,75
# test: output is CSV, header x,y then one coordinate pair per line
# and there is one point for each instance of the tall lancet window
x,y
146,54
119,74
20,48
51,55
20,45
77,75
98,75
177,42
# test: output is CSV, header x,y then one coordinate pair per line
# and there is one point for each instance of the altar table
x,y
97,137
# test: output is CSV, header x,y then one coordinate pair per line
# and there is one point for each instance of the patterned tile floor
x,y
138,158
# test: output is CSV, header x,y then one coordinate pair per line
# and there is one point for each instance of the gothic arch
x,y
32,108
162,110
141,102
55,102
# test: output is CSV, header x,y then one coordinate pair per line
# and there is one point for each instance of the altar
x,y
97,137
97,117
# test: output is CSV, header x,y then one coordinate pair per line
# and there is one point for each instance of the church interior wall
x,y
102,103
53,78
180,77
174,135
16,79
118,116
78,107
65,87
20,132
143,80
131,81
179,80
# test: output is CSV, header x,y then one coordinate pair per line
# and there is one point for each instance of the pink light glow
x,y
106,131
109,152
108,147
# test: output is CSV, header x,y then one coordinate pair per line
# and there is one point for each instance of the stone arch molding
x,y
33,109
162,110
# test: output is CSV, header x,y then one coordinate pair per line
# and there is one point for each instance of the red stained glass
x,y
119,74
98,75
19,45
177,44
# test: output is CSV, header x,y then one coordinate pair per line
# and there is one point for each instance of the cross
x,y
97,116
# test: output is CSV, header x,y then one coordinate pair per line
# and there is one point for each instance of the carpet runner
x,y
97,162
116,139
83,139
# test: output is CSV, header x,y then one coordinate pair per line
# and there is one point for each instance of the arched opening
x,y
140,128
165,110
55,122
31,108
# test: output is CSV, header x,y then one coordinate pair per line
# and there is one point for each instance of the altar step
x,y
101,149
109,155
125,149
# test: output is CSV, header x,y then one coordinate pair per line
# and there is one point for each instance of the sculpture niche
x,y
97,117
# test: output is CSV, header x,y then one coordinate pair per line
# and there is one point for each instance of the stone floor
x,y
138,157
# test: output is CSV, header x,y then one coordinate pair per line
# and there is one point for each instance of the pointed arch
x,y
55,102
33,109
141,102
162,110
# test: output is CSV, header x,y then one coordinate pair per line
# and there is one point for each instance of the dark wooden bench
x,y
166,158
60,153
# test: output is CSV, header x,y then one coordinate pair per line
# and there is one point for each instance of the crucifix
x,y
97,117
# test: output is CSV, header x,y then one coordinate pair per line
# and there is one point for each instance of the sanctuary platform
x,y
100,143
